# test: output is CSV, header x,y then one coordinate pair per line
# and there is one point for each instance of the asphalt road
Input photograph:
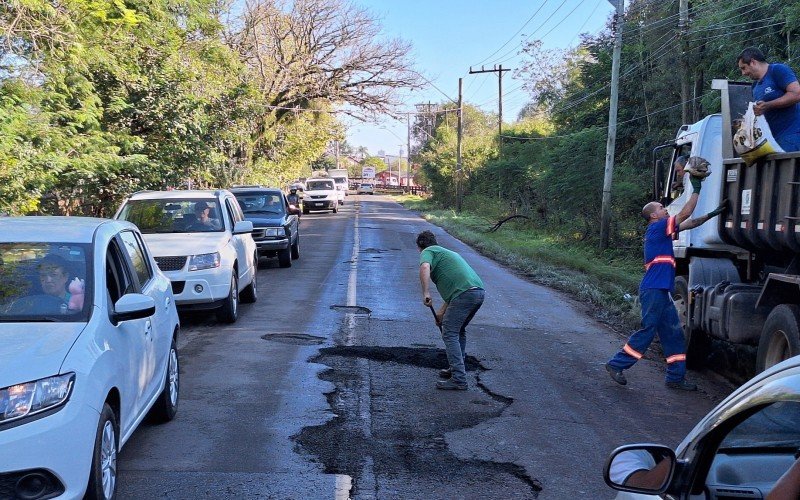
x,y
324,388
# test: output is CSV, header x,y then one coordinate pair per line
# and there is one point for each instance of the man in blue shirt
x,y
658,311
776,93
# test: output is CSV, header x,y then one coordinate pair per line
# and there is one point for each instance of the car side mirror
x,y
640,468
243,227
133,306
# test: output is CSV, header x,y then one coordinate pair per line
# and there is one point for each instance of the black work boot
x,y
616,375
683,385
445,373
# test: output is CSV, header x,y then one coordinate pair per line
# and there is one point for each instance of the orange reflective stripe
x,y
661,259
670,226
676,357
631,351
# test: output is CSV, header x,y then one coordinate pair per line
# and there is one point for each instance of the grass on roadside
x,y
608,283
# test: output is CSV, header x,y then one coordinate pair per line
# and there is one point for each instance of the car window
x,y
45,281
118,279
774,426
174,215
320,186
137,255
261,203
757,451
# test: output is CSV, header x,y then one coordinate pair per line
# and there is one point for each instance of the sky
x,y
450,36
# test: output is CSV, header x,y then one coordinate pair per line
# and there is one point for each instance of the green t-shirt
x,y
449,272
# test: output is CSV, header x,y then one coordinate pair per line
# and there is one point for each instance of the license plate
x,y
318,204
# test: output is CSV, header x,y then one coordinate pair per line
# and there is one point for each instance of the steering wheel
x,y
36,304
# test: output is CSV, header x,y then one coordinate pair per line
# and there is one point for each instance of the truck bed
x,y
764,214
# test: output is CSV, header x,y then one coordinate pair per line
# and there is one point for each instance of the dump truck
x,y
737,280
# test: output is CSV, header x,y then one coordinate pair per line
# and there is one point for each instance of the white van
x,y
320,194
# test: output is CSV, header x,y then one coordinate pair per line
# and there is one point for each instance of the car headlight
x,y
275,231
204,261
23,400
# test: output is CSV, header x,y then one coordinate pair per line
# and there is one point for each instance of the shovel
x,y
433,311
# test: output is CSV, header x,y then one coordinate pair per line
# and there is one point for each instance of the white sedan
x,y
88,330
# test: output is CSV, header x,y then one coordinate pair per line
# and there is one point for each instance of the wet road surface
x,y
324,388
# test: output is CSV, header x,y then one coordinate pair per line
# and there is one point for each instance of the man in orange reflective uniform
x,y
658,311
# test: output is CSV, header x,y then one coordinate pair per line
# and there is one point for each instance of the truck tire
x,y
780,337
697,345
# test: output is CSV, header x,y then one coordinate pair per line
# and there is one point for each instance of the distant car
x,y
201,241
365,188
738,450
321,194
88,332
276,230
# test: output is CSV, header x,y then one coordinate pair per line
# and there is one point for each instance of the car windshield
x,y
174,215
774,426
43,282
320,186
260,203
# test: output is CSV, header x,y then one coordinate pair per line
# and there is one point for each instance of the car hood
x,y
266,220
30,351
172,244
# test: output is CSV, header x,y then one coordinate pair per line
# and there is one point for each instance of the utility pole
x,y
337,154
408,153
499,70
458,147
605,221
683,28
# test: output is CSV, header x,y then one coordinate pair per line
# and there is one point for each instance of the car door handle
x,y
148,328
167,302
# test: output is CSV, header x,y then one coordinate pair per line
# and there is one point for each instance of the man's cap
x,y
201,205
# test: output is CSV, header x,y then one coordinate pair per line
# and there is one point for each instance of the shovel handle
x,y
433,311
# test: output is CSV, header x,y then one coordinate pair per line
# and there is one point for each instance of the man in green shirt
x,y
462,292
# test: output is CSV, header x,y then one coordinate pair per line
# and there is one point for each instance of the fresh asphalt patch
x,y
390,433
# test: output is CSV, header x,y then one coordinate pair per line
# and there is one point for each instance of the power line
x,y
534,31
514,35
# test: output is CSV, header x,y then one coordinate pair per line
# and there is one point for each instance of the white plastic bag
x,y
754,139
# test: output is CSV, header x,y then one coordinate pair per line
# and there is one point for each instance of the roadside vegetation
x,y
605,280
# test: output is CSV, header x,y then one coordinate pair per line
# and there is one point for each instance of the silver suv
x,y
202,243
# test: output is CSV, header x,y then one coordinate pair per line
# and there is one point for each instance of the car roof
x,y
208,194
39,228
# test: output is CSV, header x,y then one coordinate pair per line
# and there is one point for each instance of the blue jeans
x,y
658,316
459,313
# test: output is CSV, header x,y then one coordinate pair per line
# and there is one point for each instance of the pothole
x,y
294,338
357,310
423,357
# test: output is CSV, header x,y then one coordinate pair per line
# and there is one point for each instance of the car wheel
x,y
285,257
103,474
296,248
229,312
780,337
250,292
696,342
167,403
